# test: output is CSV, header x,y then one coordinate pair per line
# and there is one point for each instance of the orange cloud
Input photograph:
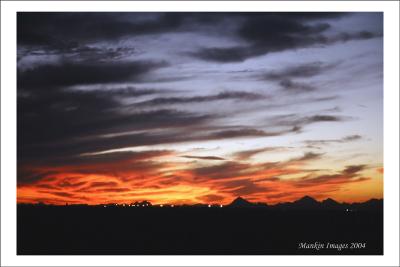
x,y
156,177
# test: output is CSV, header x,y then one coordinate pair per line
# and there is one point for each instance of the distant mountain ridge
x,y
304,203
309,203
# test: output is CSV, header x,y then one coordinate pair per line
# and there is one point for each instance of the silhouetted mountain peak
x,y
330,201
306,200
240,202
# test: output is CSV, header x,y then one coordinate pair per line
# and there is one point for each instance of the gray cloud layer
x,y
60,52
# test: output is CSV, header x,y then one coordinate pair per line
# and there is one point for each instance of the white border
x,y
8,134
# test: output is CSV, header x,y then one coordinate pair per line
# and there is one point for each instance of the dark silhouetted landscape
x,y
240,228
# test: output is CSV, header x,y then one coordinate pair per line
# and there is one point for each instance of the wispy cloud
x,y
203,157
244,96
247,154
345,139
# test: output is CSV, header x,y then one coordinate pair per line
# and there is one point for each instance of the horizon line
x,y
209,204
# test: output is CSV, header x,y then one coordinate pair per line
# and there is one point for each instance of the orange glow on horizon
x,y
183,187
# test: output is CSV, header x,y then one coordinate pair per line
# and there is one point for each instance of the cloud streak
x,y
71,73
203,157
345,139
243,96
247,154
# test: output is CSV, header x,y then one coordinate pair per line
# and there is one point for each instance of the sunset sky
x,y
199,107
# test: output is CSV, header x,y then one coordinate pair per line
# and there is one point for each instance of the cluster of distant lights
x,y
129,205
161,205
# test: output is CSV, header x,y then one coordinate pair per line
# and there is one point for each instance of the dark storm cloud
x,y
48,136
205,157
54,121
83,73
241,53
61,29
43,28
74,34
96,36
49,112
238,95
87,36
276,32
68,33
279,31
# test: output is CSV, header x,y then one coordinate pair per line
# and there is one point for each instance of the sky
x,y
187,108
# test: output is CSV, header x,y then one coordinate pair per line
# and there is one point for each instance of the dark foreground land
x,y
58,230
